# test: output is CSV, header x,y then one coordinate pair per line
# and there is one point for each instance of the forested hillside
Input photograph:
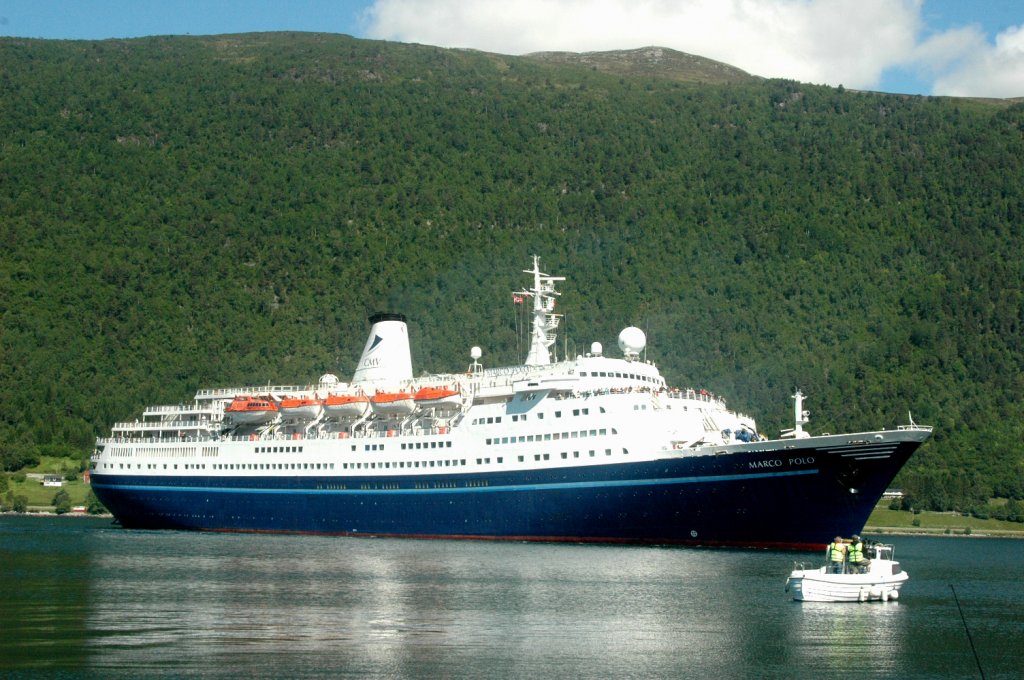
x,y
191,212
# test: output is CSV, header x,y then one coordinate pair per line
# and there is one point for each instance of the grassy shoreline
x,y
884,521
41,497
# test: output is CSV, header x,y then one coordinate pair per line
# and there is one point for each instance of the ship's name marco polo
x,y
777,462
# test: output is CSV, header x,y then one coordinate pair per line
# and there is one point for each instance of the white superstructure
x,y
591,409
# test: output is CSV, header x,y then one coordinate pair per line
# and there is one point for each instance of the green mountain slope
x,y
189,212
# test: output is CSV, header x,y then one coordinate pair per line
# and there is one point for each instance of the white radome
x,y
632,341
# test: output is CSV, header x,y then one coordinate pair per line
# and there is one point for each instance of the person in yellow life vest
x,y
855,555
836,555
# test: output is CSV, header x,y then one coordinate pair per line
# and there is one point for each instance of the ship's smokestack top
x,y
386,316
386,357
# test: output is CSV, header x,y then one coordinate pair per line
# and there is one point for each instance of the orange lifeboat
x,y
301,408
393,403
437,398
244,410
346,405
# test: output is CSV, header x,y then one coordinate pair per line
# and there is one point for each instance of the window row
x,y
565,455
550,436
154,451
226,466
388,465
522,417
373,465
427,445
273,466
616,374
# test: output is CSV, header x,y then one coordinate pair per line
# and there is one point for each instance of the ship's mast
x,y
800,418
545,321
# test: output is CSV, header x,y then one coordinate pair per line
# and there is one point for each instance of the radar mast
x,y
545,321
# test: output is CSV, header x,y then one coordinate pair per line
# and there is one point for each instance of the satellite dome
x,y
632,341
475,353
596,349
328,379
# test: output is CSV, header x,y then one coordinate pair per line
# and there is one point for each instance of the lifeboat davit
x,y
393,403
346,405
251,410
444,398
301,408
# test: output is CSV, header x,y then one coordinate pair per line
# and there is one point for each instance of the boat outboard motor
x,y
386,356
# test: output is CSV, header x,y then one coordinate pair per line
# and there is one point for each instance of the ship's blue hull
x,y
775,498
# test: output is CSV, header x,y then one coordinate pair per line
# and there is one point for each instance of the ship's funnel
x,y
386,356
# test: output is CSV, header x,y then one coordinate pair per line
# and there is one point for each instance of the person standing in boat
x,y
836,555
855,555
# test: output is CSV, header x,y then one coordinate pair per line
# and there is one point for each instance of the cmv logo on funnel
x,y
368,361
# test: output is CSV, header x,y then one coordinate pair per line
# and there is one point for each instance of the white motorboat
x,y
879,578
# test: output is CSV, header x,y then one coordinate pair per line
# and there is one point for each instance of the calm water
x,y
81,597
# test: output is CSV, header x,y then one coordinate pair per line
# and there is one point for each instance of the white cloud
x,y
980,69
848,42
818,41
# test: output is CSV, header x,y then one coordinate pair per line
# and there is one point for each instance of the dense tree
x,y
62,502
93,504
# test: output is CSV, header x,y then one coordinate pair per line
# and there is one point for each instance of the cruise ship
x,y
592,448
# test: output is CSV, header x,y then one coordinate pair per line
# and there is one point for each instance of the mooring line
x,y
969,638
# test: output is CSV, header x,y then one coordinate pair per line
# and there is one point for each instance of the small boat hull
x,y
810,588
881,583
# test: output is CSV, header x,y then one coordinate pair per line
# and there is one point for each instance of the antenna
x,y
517,325
800,418
647,332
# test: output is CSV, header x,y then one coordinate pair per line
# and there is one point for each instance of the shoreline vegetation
x,y
957,533
885,521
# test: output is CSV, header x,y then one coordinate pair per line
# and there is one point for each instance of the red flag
x,y
517,299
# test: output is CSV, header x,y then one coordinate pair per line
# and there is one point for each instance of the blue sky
x,y
951,47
